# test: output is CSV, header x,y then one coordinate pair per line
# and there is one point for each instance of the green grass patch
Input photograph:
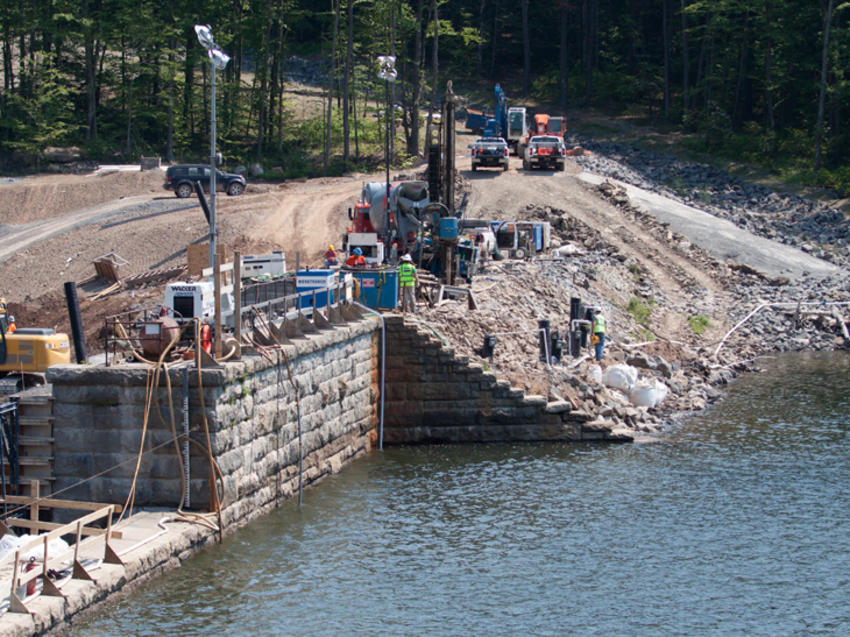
x,y
699,323
640,310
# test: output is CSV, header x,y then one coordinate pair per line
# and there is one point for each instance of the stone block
x,y
534,400
558,407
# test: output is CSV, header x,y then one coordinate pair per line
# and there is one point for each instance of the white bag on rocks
x,y
568,250
594,372
619,376
10,542
648,393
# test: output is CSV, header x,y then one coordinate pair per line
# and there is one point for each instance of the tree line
x,y
760,79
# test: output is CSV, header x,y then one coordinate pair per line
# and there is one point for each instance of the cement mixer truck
x,y
384,231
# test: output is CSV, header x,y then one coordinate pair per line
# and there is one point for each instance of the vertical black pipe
x,y
543,326
76,322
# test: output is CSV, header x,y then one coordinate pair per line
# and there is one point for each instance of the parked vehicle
x,y
490,151
545,151
517,129
181,179
558,126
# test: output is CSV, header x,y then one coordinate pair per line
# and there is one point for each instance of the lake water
x,y
734,522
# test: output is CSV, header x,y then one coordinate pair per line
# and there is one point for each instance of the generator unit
x,y
188,300
368,242
272,264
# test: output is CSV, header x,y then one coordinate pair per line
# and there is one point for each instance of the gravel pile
x,y
790,219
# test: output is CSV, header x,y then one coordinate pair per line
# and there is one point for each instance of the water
x,y
733,523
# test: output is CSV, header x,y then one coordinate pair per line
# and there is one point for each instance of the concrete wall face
x,y
252,416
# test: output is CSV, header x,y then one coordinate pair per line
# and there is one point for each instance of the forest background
x,y
763,81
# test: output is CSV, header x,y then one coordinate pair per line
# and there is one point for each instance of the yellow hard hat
x,y
330,247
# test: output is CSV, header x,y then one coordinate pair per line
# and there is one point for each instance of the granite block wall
x,y
434,395
252,415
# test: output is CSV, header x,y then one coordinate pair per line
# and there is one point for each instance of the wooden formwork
x,y
25,573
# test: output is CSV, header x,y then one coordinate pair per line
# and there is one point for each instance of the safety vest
x,y
599,324
406,275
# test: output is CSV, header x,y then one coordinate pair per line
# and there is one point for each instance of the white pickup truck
x,y
490,151
545,151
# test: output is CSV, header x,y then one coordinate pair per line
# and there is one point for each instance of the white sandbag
x,y
620,376
10,542
594,373
55,547
648,393
568,250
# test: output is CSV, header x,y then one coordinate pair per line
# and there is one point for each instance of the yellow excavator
x,y
27,352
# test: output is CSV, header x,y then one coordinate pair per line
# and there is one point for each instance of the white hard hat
x,y
406,257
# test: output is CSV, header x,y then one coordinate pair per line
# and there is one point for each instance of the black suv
x,y
181,177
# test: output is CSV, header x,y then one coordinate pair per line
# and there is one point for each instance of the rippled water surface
x,y
733,522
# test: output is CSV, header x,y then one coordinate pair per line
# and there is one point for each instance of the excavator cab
x,y
26,353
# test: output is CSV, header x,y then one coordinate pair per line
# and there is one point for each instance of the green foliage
x,y
47,117
640,310
151,74
699,323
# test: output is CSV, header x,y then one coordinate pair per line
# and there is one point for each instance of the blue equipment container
x,y
306,280
538,237
378,288
448,227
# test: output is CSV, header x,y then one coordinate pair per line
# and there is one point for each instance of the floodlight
x,y
219,58
387,71
205,36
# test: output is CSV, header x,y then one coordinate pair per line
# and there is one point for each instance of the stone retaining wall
x,y
434,395
252,416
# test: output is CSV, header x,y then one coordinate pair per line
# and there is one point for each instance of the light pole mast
x,y
387,73
219,61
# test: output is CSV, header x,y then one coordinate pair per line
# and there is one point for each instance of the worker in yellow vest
x,y
407,281
598,332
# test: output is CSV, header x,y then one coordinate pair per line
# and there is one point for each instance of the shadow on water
x,y
735,523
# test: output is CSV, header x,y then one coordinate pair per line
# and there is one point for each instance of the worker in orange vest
x,y
356,260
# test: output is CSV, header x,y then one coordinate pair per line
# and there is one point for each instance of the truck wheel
x,y
505,167
474,167
562,167
235,189
184,190
519,253
524,164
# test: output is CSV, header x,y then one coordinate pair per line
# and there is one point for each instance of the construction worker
x,y
407,281
356,260
597,332
330,257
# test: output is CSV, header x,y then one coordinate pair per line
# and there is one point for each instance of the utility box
x,y
307,280
185,301
537,235
368,242
378,288
256,265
